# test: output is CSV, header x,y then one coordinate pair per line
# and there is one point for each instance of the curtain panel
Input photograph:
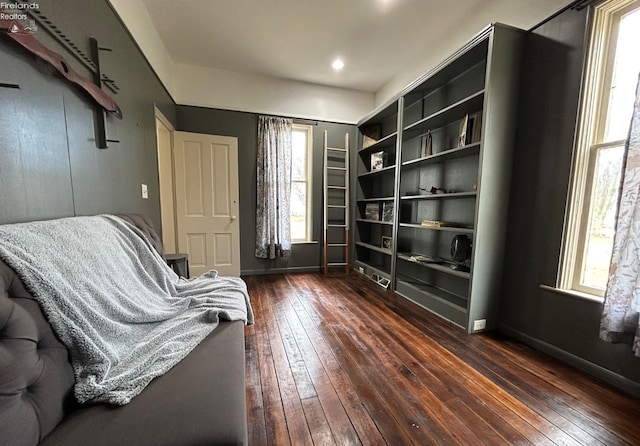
x,y
273,237
622,298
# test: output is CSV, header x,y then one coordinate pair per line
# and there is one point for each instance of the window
x,y
302,138
607,105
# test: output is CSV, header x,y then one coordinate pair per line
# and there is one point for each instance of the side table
x,y
179,263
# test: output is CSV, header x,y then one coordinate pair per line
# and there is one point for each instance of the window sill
x,y
574,293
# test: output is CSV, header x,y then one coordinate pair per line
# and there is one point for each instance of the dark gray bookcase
x,y
448,142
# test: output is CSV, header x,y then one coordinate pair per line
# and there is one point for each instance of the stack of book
x,y
424,259
437,223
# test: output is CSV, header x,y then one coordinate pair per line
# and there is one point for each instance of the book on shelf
x,y
475,125
424,259
462,134
428,145
438,223
470,129
378,160
372,211
386,242
387,211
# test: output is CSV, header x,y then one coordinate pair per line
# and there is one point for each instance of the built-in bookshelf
x,y
433,182
376,193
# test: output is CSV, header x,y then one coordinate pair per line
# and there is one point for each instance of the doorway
x,y
199,198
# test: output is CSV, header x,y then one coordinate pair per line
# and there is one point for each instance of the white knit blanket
x,y
124,315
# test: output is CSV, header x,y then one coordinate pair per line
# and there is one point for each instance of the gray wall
x,y
49,164
304,257
564,326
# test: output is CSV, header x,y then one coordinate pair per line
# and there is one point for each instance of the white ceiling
x,y
298,39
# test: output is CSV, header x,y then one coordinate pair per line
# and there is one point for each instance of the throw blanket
x,y
124,315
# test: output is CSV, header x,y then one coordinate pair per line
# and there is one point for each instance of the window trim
x,y
308,130
603,24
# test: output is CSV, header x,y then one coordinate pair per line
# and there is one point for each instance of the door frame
x,y
167,199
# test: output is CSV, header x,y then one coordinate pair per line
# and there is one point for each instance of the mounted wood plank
x,y
15,31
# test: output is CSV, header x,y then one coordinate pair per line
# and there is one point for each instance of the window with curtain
x,y
273,195
301,209
608,97
621,311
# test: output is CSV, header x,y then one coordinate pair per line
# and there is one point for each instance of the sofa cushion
x,y
36,378
200,401
145,225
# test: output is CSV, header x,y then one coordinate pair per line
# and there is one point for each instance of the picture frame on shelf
x,y
387,211
370,135
378,160
372,211
386,242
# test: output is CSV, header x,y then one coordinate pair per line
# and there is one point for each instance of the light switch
x,y
145,191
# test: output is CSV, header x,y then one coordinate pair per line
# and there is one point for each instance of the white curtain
x,y
273,237
622,298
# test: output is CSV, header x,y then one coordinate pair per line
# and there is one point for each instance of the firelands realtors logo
x,y
18,11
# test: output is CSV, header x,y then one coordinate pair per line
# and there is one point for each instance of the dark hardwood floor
x,y
329,361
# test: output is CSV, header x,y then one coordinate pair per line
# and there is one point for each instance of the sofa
x,y
199,401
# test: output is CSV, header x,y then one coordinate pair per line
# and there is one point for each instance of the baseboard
x,y
295,269
618,381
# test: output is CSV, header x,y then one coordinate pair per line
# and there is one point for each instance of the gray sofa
x,y
200,401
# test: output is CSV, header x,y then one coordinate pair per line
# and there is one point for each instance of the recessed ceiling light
x,y
337,64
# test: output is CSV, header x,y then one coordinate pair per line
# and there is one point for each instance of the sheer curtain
x,y
273,237
622,298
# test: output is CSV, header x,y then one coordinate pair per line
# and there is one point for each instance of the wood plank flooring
x,y
336,361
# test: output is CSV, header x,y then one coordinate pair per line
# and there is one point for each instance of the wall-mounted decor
x,y
15,31
24,36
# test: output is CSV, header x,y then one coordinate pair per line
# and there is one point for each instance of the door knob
x,y
233,217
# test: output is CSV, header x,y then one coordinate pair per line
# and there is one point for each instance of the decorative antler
x,y
17,32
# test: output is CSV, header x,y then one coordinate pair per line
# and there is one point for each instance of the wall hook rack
x,y
5,85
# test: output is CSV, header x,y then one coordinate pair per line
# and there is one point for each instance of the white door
x,y
206,186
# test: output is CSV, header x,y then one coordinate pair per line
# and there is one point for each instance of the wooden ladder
x,y
336,205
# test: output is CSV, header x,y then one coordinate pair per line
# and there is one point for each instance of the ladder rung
x,y
337,226
337,187
335,245
336,206
337,168
336,264
336,150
